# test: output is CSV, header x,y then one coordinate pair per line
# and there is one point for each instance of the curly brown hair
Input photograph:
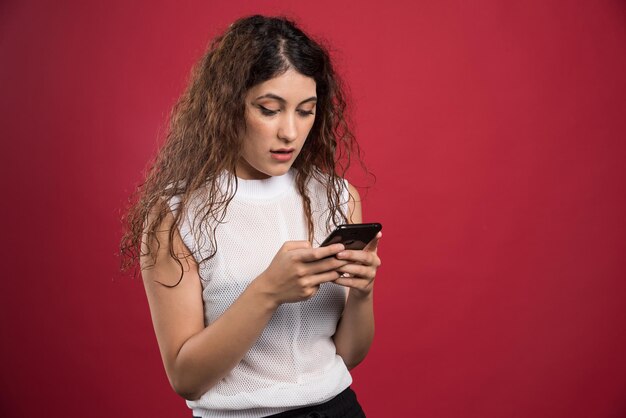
x,y
206,125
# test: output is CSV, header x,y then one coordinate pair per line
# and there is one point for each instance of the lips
x,y
283,154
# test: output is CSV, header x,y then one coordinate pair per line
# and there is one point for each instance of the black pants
x,y
344,405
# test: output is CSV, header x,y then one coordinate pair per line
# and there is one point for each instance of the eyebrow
x,y
280,99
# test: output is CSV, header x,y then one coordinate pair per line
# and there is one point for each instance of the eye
x,y
305,113
267,112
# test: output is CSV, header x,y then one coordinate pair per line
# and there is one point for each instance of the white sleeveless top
x,y
294,361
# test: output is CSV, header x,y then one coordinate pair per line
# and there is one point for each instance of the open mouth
x,y
282,155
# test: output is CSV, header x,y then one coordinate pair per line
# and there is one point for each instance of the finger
x,y
348,281
357,270
314,254
354,282
359,256
325,264
329,276
373,244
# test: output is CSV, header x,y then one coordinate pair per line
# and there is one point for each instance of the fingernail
x,y
341,254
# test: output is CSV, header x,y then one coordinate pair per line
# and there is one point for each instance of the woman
x,y
252,318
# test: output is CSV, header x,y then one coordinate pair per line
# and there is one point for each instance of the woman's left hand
x,y
359,274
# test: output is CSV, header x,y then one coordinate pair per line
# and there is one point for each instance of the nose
x,y
288,130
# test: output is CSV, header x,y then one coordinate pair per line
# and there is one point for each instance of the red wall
x,y
496,131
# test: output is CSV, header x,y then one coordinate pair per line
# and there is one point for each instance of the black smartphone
x,y
353,236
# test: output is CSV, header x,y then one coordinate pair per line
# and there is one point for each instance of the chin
x,y
278,171
263,171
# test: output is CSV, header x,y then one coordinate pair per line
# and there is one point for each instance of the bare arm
x,y
355,331
197,357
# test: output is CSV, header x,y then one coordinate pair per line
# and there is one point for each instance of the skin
x,y
197,357
279,114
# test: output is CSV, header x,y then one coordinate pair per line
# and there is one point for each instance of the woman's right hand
x,y
297,271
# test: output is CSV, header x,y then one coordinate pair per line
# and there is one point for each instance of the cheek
x,y
258,127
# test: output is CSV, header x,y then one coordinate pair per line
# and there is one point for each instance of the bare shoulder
x,y
354,205
157,262
171,278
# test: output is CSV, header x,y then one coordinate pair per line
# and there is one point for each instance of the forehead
x,y
291,86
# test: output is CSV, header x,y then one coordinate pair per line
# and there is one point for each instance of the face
x,y
279,115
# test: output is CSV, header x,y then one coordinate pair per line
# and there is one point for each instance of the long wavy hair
x,y
206,127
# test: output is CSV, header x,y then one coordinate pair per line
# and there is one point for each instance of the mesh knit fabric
x,y
293,363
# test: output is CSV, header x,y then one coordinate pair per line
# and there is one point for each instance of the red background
x,y
496,131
